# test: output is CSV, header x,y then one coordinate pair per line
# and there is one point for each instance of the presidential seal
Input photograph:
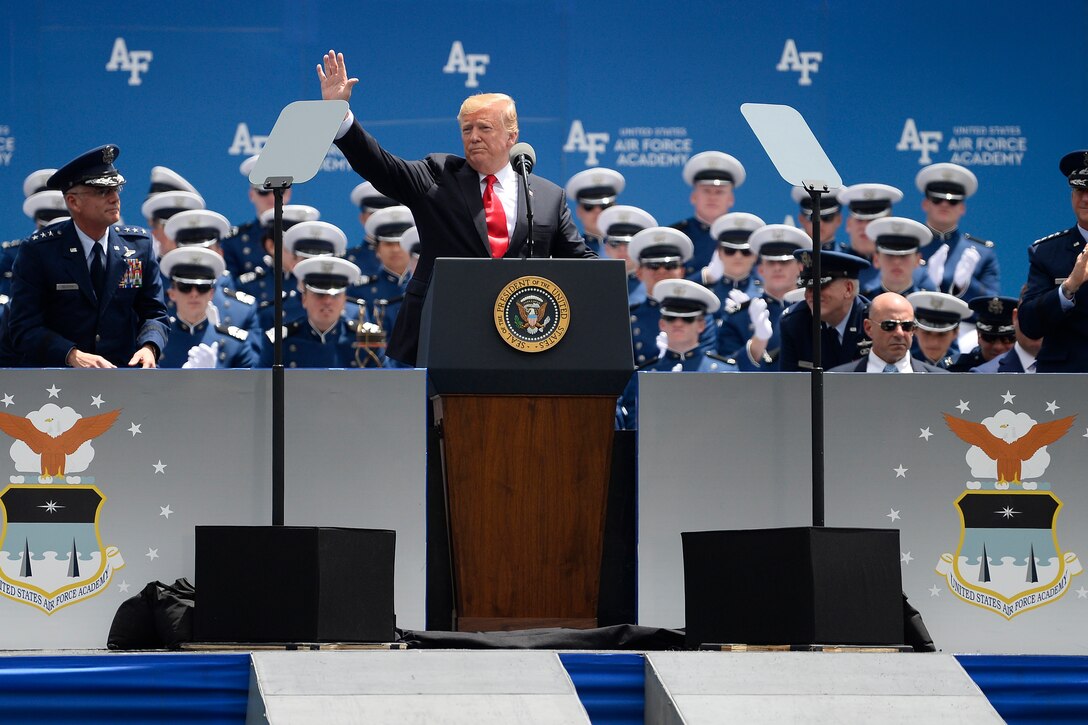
x,y
532,314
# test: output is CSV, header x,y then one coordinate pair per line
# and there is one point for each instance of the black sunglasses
x,y
655,266
674,318
992,337
617,243
730,251
591,207
187,287
951,202
890,325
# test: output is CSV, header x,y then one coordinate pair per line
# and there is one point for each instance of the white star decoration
x,y
53,391
934,591
1052,406
1082,593
152,554
964,406
123,586
51,507
134,429
1085,433
97,401
906,558
925,434
160,467
892,514
1007,397
8,400
1007,512
165,511
900,472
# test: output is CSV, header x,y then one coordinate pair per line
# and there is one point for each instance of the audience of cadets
x,y
1055,306
619,224
898,242
842,311
830,218
1022,358
713,176
244,250
87,292
369,200
409,242
324,337
996,333
890,325
966,266
749,330
729,274
204,228
937,316
592,191
258,281
864,203
44,207
661,253
198,338
303,241
383,292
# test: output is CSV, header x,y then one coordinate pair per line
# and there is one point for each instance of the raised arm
x,y
335,83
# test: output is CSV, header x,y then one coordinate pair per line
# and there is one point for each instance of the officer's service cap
x,y
92,168
684,298
833,265
870,201
327,275
367,198
598,186
1074,167
898,235
166,204
197,227
715,168
387,225
661,244
945,181
994,314
829,203
315,239
193,265
778,242
937,311
37,181
44,206
733,230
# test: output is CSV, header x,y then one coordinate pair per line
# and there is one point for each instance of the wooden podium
x,y
526,436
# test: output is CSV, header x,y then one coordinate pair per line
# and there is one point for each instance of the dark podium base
x,y
793,586
293,584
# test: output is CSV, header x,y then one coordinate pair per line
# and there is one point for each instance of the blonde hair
x,y
508,114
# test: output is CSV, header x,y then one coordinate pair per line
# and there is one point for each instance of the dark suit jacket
x,y
1007,363
1065,334
54,308
918,366
444,194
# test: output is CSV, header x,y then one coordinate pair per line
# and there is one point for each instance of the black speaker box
x,y
283,584
807,585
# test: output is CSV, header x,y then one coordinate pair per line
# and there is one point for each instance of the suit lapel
x,y
469,181
75,263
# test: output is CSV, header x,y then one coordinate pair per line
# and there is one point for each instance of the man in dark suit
x,y
87,292
890,325
448,195
1055,303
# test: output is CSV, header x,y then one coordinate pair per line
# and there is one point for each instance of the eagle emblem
x,y
54,445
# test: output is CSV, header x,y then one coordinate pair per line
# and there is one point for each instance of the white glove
x,y
961,278
736,299
213,314
713,271
678,368
761,319
662,343
202,356
935,266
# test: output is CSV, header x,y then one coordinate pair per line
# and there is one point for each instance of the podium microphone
x,y
523,158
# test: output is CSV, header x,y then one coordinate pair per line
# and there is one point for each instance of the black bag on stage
x,y
160,616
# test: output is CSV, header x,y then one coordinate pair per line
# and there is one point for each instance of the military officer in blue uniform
x,y
87,292
384,291
937,316
957,263
863,204
830,218
197,340
713,177
369,200
898,258
592,191
749,330
661,253
1055,306
842,311
619,224
258,281
996,331
730,273
324,337
1022,358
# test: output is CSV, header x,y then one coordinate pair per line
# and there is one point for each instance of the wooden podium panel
x,y
526,485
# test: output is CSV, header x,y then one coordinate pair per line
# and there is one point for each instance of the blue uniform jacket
x,y
736,330
795,329
986,279
235,350
244,251
305,347
1065,334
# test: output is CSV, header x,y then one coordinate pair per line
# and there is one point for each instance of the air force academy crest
x,y
51,554
1008,560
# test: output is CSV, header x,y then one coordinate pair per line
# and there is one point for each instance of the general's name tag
x,y
62,286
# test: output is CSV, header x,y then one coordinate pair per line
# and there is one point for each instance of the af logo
x,y
589,143
51,553
914,140
245,143
805,62
135,62
1008,559
471,64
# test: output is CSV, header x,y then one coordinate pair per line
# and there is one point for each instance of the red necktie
x,y
497,233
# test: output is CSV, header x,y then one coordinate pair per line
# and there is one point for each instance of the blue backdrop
x,y
636,86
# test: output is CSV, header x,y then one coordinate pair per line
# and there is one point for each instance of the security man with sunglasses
x,y
957,263
996,333
890,325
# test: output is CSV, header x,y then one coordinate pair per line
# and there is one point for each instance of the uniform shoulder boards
x,y
289,329
681,225
236,332
242,297
984,242
132,232
1051,236
12,244
648,364
253,276
721,358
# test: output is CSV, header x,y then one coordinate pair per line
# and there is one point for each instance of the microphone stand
x,y
523,172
